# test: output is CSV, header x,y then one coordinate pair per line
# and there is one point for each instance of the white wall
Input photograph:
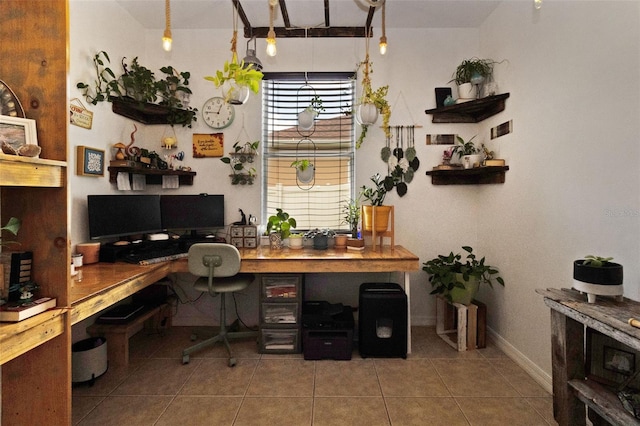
x,y
572,72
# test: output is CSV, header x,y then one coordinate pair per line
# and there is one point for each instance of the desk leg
x,y
567,348
407,290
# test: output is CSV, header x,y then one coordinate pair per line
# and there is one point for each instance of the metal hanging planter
x,y
305,168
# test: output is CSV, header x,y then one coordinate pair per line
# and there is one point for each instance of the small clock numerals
x,y
217,113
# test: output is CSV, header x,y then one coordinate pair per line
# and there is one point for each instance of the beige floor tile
x,y
215,377
425,343
158,376
544,407
416,377
82,405
200,410
111,379
425,411
352,378
500,411
172,346
288,377
127,410
352,411
472,377
518,378
270,411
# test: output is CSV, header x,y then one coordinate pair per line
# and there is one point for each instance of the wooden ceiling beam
x,y
372,11
261,32
326,14
285,14
241,14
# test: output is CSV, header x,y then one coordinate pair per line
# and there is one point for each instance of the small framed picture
x,y
89,161
608,361
16,132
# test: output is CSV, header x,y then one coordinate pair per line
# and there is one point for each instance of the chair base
x,y
223,337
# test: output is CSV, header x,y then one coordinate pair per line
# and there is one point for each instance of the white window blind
x,y
329,145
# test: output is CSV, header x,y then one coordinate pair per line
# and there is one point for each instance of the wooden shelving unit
x,y
474,176
153,176
36,353
147,113
469,112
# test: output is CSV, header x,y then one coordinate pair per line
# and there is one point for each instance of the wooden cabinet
x,y
36,367
281,313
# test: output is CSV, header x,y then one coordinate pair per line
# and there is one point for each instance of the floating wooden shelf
x,y
469,112
474,176
147,113
153,176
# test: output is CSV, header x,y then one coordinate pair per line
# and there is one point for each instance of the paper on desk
x,y
123,181
139,182
170,181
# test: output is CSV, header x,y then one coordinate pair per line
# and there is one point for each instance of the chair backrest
x,y
226,259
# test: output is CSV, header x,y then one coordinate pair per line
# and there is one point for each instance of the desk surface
x,y
104,284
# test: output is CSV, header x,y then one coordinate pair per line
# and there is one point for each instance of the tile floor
x,y
435,385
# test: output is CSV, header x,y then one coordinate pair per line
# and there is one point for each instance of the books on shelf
x,y
15,311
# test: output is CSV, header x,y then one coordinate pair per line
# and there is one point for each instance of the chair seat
x,y
225,284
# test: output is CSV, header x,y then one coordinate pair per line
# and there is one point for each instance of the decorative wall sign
x,y
208,145
441,139
502,129
79,115
89,161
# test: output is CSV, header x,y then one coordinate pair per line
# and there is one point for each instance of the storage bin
x,y
88,359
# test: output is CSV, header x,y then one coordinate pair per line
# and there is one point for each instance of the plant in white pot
x,y
371,103
305,170
306,117
472,72
468,152
597,275
458,280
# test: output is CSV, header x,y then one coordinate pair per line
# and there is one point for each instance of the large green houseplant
x,y
457,279
148,97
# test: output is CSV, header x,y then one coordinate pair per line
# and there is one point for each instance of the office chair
x,y
217,267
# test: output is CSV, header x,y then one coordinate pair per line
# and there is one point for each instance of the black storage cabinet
x,y
382,320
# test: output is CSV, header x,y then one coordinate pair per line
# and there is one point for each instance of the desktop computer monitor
x,y
192,213
114,216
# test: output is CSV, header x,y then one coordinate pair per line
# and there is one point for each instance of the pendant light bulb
x,y
383,45
271,43
537,4
166,37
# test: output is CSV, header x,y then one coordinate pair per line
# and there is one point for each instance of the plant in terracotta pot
x,y
597,275
457,279
375,195
279,227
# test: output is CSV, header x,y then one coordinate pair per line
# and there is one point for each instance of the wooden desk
x,y
104,284
570,314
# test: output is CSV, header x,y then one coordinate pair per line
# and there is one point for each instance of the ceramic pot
x,y
275,241
340,241
367,114
468,293
466,92
470,161
605,280
306,175
306,119
295,242
382,218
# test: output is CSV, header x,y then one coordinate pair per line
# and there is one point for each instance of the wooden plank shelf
x,y
469,112
31,172
473,176
603,402
153,176
147,113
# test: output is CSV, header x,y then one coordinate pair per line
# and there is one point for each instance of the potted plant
x,y
458,280
307,116
597,275
351,210
472,72
295,240
375,195
136,90
320,238
468,152
279,228
12,226
304,170
238,159
371,103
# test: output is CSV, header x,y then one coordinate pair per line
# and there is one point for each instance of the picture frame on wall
x,y
16,132
608,361
89,161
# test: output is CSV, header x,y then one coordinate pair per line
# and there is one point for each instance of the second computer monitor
x,y
192,213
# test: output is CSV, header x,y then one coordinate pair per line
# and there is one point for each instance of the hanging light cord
x,y
234,38
167,14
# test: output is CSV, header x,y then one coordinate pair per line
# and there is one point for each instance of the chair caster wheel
x,y
185,359
194,337
232,362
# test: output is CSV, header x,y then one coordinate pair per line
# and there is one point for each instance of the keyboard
x,y
150,256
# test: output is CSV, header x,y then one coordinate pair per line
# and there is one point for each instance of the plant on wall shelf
x,y
12,226
138,85
243,154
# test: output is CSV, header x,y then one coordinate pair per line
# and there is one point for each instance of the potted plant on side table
x,y
457,280
597,275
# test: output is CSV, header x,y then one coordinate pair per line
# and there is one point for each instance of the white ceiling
x,y
207,14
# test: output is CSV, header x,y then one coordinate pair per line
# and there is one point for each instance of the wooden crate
x,y
463,327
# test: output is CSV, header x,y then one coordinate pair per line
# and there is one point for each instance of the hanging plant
x,y
239,77
376,98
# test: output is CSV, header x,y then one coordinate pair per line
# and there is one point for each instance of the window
x,y
329,145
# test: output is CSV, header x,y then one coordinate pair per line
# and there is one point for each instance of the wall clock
x,y
218,113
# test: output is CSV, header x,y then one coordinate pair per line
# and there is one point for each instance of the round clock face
x,y
217,113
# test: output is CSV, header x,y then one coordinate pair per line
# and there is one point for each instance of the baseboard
x,y
536,373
